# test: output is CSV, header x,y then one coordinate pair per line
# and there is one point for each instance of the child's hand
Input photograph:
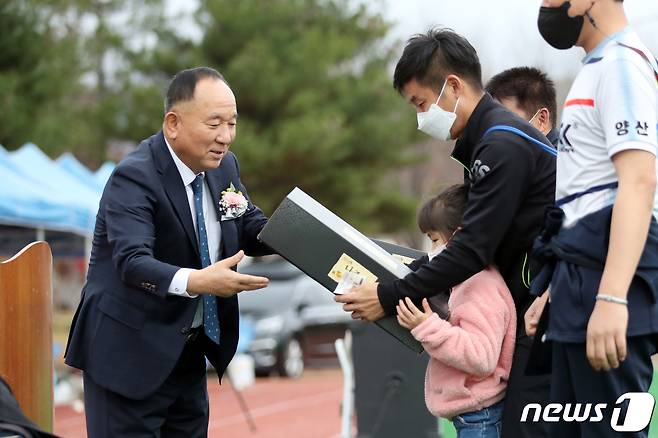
x,y
410,316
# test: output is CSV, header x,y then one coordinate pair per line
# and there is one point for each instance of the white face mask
x,y
436,121
436,252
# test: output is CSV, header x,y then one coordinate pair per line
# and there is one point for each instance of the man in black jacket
x,y
530,93
511,170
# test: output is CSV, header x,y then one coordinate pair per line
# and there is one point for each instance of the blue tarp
x,y
85,176
35,191
26,203
103,173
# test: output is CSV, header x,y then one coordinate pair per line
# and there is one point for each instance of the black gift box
x,y
315,240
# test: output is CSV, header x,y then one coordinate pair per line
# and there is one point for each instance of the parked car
x,y
295,320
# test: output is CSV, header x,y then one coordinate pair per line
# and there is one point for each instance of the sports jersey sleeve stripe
x,y
581,102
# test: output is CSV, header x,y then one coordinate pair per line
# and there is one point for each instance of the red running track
x,y
281,408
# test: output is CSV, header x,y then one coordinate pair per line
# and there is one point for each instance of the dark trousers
x,y
179,408
575,381
521,390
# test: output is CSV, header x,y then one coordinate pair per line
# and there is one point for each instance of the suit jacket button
x,y
184,330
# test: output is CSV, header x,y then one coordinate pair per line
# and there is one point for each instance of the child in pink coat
x,y
471,352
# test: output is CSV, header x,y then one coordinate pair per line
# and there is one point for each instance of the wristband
x,y
611,299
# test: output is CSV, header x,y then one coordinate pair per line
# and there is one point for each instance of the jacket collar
x,y
473,131
172,182
186,174
553,136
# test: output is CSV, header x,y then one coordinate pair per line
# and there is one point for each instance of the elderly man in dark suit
x,y
161,290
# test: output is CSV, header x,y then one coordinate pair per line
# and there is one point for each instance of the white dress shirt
x,y
178,284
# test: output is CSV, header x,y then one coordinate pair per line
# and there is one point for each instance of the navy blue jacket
x,y
128,333
574,259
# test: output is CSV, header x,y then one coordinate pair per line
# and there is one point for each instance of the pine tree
x,y
315,102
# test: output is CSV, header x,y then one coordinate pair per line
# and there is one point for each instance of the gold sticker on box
x,y
347,264
404,259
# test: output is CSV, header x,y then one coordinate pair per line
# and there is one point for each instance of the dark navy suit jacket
x,y
128,333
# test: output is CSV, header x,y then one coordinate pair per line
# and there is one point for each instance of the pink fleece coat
x,y
471,354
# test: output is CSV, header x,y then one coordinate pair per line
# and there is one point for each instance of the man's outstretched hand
x,y
219,279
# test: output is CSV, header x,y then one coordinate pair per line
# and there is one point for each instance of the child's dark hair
x,y
444,212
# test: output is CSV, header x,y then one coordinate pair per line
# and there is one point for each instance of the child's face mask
x,y
436,251
438,243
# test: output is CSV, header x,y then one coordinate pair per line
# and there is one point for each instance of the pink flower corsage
x,y
233,204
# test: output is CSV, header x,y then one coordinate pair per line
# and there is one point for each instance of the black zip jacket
x,y
512,181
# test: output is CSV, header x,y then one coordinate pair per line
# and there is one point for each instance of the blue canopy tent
x,y
26,203
85,176
103,173
46,181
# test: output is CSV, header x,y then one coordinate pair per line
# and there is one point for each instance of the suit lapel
x,y
173,185
216,185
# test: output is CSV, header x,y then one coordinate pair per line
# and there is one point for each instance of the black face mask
x,y
557,28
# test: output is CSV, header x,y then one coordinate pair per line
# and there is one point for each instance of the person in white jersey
x,y
602,253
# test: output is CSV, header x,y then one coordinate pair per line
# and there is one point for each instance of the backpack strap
x,y
520,133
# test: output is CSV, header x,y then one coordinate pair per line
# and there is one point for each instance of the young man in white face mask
x,y
604,311
511,172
